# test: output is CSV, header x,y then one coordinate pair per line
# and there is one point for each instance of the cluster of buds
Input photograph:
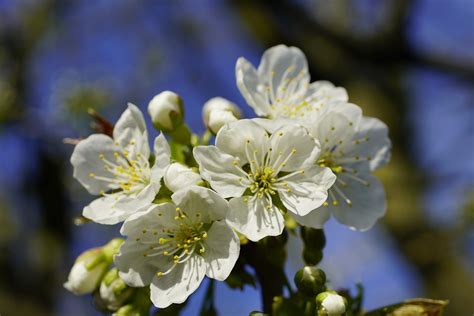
x,y
90,274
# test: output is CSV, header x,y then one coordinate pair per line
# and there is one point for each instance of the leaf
x,y
412,307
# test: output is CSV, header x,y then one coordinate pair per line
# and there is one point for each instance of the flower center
x,y
128,173
180,243
263,181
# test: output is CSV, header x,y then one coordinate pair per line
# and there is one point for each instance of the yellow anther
x,y
162,241
159,274
144,231
91,174
204,235
235,162
280,134
248,141
165,253
101,156
176,218
293,151
333,128
325,204
202,250
288,190
335,203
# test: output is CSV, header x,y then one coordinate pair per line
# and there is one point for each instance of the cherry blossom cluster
x,y
186,204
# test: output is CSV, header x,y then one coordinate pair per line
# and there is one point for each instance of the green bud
x,y
166,111
128,310
87,272
113,292
331,304
312,256
112,248
310,281
313,238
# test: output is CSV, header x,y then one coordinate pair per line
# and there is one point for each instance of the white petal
x,y
182,281
307,191
115,208
368,203
251,87
219,170
319,90
162,158
179,176
292,141
334,130
88,166
275,124
374,143
194,199
135,268
241,138
222,251
314,219
219,118
130,131
282,66
253,219
156,216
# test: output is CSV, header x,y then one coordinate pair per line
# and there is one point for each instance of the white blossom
x,y
179,176
172,246
119,168
281,87
166,110
352,146
331,304
260,171
87,271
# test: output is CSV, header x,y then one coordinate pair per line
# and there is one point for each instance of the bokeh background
x,y
409,63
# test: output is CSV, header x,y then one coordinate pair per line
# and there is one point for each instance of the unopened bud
x,y
310,281
113,292
166,111
128,310
217,112
178,176
87,272
331,304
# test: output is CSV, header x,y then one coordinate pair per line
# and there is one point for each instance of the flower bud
x,y
113,292
217,112
310,281
90,266
166,111
128,310
87,272
178,176
331,304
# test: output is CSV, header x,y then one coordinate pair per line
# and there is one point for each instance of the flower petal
x,y
162,158
130,131
253,219
182,281
88,166
219,170
241,138
292,148
306,191
282,66
325,90
314,219
368,203
195,199
251,88
222,251
374,142
135,268
115,208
